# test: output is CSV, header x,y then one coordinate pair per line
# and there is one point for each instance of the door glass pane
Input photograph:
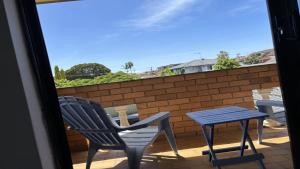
x,y
298,5
140,39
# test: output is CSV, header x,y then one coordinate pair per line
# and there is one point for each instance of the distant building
x,y
166,66
204,65
267,57
157,72
194,66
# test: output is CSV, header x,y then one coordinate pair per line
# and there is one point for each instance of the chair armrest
x,y
94,130
269,103
265,106
146,122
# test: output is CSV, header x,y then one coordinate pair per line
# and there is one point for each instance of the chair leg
x,y
91,153
260,126
134,155
165,125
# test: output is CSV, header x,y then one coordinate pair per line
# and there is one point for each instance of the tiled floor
x,y
275,148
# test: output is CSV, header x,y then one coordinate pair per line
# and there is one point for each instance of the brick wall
x,y
181,94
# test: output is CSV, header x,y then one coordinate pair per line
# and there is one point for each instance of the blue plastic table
x,y
209,118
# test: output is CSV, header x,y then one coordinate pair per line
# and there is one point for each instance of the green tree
x,y
225,62
252,59
56,73
167,72
86,71
62,74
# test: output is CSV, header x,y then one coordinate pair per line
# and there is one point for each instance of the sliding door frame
x,y
51,111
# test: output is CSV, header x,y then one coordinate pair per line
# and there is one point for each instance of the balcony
x,y
179,95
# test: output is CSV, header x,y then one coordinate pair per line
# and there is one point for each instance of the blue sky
x,y
151,33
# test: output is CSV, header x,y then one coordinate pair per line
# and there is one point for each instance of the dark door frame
x,y
40,63
51,111
285,24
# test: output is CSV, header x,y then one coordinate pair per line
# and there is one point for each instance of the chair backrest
x,y
111,111
91,120
131,109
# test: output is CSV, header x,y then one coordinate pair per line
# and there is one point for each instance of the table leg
x,y
211,138
244,125
260,126
123,118
246,136
209,142
260,162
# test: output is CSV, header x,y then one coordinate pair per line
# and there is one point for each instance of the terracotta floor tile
x,y
275,147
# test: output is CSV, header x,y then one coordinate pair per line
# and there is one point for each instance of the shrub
x,y
109,78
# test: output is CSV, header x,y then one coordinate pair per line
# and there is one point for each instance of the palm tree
x,y
128,66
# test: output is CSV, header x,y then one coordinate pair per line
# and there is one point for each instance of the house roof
x,y
197,62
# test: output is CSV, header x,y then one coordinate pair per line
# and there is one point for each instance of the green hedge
x,y
109,78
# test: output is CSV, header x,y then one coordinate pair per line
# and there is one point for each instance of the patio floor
x,y
275,147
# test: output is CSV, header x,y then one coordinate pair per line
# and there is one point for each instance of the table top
x,y
225,115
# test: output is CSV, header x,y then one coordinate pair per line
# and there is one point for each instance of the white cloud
x,y
247,7
240,9
155,13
